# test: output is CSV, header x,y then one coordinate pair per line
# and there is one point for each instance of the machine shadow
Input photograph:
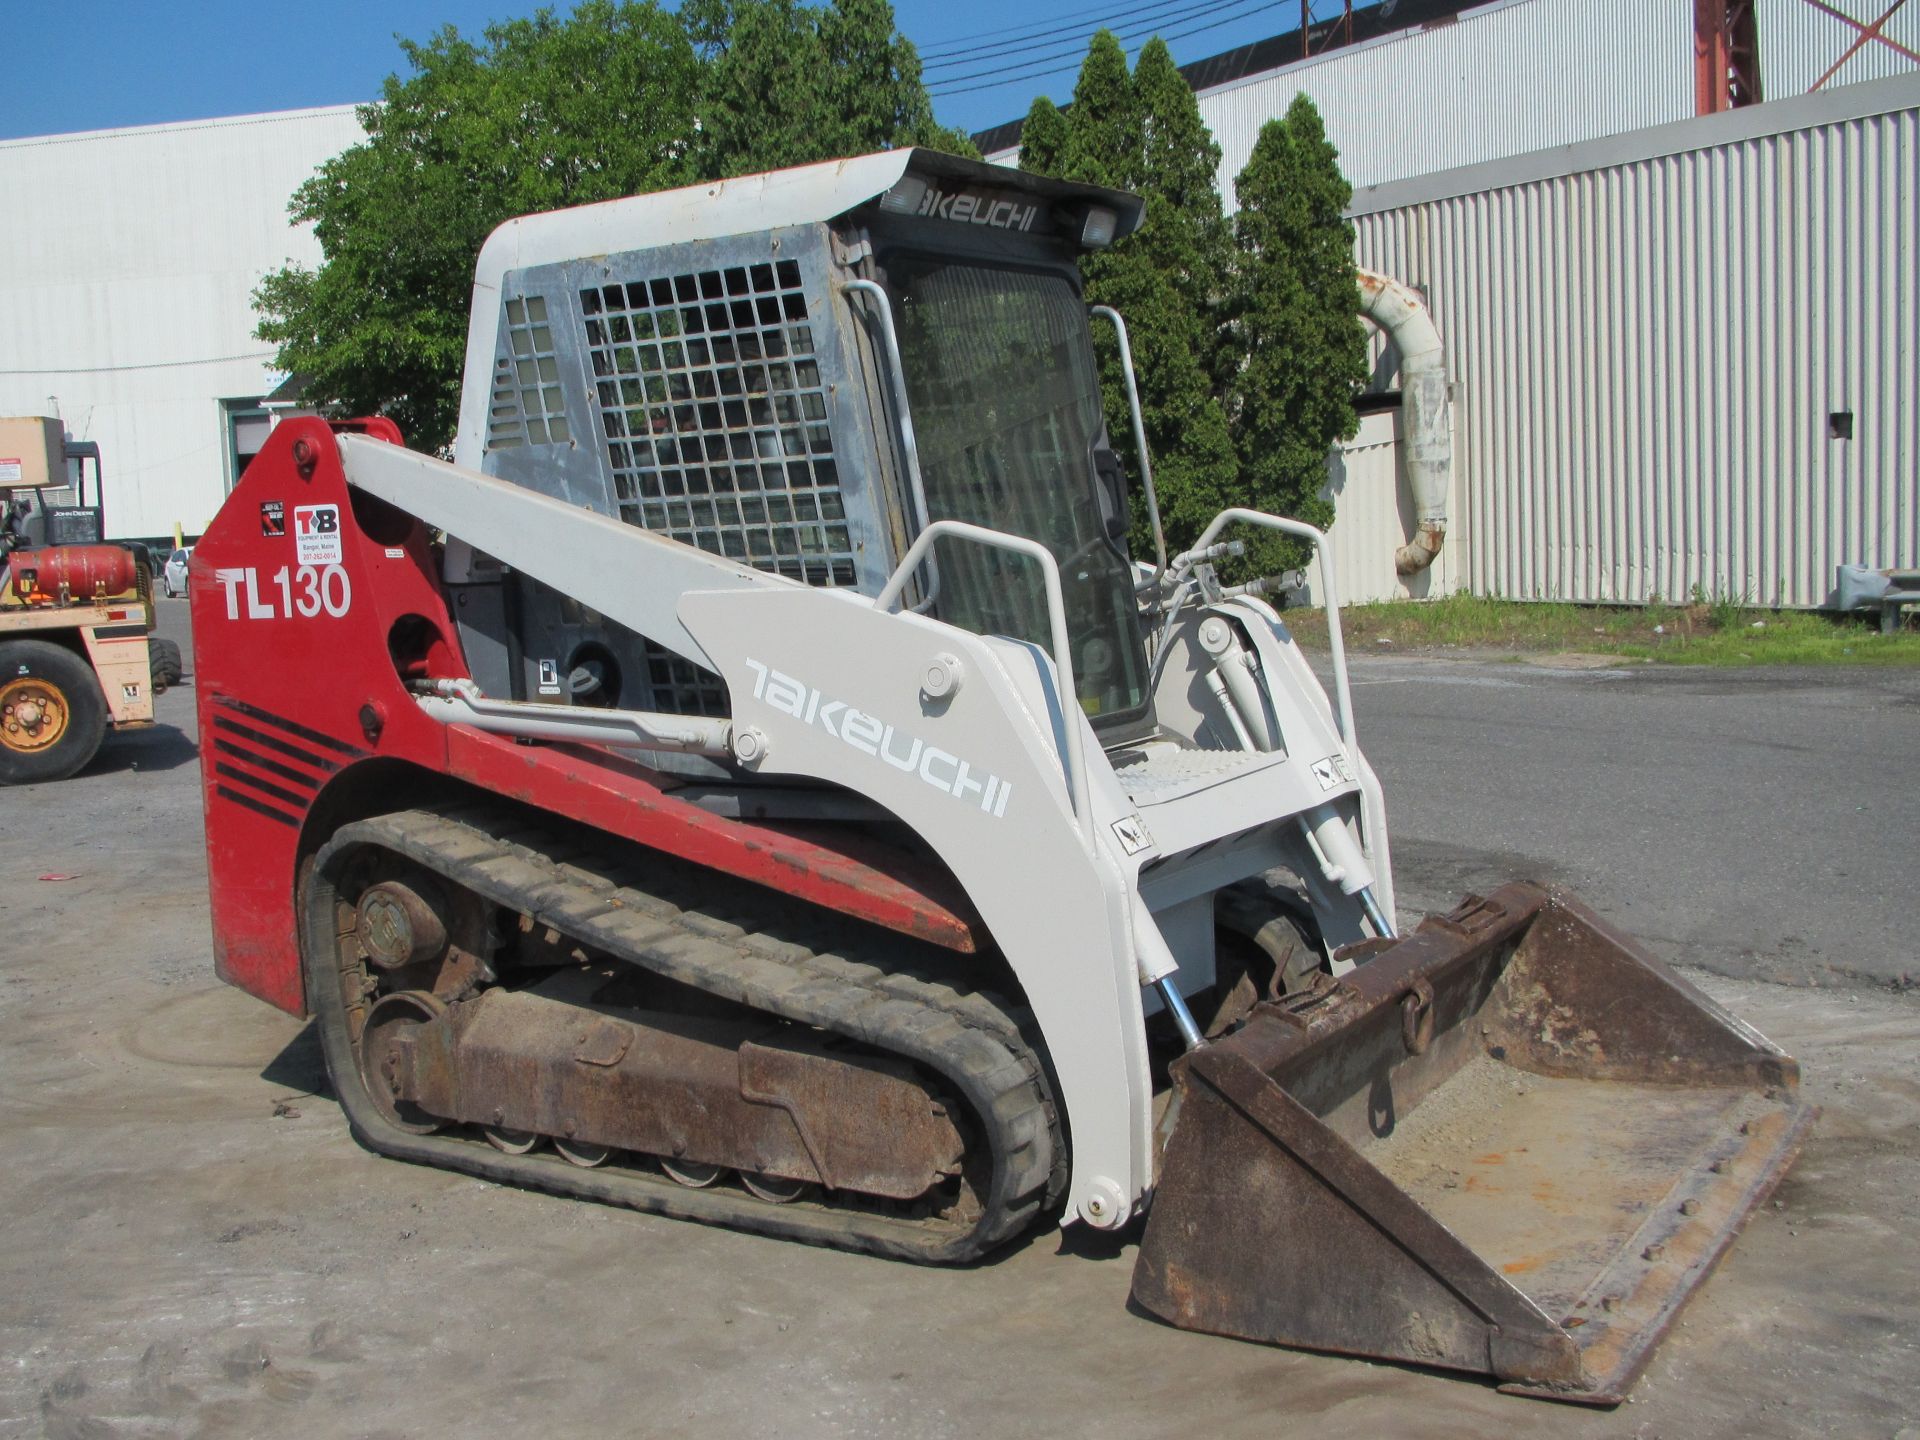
x,y
164,747
300,1065
1083,1242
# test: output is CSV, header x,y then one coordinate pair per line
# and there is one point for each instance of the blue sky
x,y
94,65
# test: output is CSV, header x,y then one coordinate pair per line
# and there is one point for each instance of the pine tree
x,y
1189,246
763,103
1179,157
1103,127
1043,138
787,83
1304,354
1144,132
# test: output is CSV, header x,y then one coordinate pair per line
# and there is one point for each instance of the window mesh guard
x,y
715,417
715,421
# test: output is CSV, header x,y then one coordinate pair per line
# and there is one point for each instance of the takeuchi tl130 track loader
x,y
754,783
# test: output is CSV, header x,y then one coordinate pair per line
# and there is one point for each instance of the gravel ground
x,y
196,1246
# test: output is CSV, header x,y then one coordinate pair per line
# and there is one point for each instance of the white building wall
x,y
1517,76
1647,336
1502,80
128,261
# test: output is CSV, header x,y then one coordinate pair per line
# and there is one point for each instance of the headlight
x,y
905,196
1097,229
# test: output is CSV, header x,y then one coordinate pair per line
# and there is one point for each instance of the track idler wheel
x,y
388,1054
399,924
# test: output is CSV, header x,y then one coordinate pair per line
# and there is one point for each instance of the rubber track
x,y
703,929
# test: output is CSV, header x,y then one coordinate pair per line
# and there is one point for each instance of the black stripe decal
x,y
260,737
315,737
272,767
299,802
247,802
118,632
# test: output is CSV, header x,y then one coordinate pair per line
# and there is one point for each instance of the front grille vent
x,y
527,406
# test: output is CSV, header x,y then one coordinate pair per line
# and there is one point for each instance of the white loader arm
x,y
620,570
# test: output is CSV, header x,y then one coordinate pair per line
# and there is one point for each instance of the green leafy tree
x,y
1303,351
619,98
787,83
541,113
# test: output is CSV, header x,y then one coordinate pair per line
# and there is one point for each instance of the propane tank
x,y
89,572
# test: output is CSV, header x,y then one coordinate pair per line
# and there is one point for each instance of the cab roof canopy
x,y
803,195
746,205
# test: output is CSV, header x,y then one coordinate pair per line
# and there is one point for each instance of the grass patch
x,y
1707,632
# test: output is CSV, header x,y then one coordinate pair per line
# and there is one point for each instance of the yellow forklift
x,y
77,652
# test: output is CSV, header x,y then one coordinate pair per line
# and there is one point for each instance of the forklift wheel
x,y
52,714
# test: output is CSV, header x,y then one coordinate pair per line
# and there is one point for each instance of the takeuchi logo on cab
x,y
966,207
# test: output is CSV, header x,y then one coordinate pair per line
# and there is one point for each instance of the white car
x,y
173,579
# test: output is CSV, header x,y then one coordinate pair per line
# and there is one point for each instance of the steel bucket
x,y
1513,1144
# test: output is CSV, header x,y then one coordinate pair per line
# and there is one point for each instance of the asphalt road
x,y
195,1246
1753,822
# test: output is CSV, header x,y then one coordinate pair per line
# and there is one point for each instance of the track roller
x,y
774,1189
511,1142
583,1153
692,1174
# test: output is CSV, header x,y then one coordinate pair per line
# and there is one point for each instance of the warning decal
x,y
1131,832
273,518
11,469
316,534
1332,771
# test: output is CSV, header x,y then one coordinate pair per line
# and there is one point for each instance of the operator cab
x,y
801,371
1003,390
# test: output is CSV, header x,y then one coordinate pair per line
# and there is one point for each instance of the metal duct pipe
x,y
1403,316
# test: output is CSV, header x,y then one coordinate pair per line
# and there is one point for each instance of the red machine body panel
x,y
309,602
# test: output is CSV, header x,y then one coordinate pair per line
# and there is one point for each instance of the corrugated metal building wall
x,y
1799,43
127,269
1649,337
